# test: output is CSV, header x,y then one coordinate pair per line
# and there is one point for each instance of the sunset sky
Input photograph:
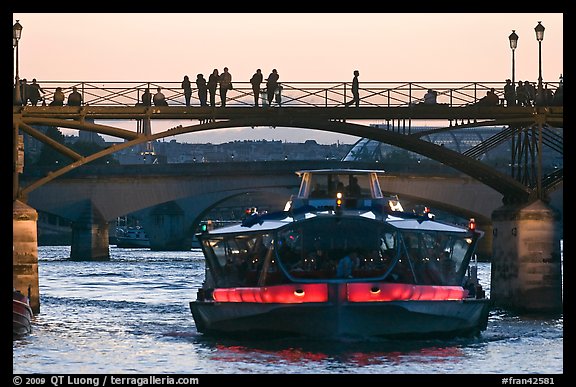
x,y
301,46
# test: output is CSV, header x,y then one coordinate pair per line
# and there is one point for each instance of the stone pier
x,y
90,236
484,247
25,252
526,266
166,228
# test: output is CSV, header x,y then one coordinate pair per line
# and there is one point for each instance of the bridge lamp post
x,y
16,34
539,29
513,44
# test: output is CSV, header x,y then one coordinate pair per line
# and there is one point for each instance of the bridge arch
x,y
510,188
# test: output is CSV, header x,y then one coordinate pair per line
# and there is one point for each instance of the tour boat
x,y
21,314
131,237
341,260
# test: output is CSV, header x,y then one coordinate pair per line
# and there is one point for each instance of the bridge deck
x,y
553,114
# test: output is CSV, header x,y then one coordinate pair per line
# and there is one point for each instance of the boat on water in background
x,y
21,314
341,260
131,237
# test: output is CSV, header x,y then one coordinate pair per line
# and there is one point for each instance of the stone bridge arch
x,y
511,189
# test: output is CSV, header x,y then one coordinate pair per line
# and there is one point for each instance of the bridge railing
x,y
293,94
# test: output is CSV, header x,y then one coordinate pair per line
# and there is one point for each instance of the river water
x,y
131,315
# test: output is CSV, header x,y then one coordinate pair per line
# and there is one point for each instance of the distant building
x,y
173,152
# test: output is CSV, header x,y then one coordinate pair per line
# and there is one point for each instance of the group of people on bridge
x,y
526,94
33,93
523,94
272,92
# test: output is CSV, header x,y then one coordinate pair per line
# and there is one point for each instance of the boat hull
x,y
132,243
394,319
21,315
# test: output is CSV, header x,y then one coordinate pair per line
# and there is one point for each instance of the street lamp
x,y
539,29
513,44
16,34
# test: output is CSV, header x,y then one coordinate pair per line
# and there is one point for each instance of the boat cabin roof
x,y
339,171
268,225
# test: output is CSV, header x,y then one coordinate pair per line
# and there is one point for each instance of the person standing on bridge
x,y
225,85
272,85
34,91
212,85
355,90
202,89
509,93
147,97
256,80
187,87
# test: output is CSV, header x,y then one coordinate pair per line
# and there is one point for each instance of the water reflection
x,y
361,353
134,309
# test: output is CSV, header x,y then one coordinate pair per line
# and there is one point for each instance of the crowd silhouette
x,y
522,94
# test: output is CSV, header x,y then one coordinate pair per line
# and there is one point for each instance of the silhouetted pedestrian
x,y
544,96
521,94
34,91
58,97
202,90
187,87
225,85
490,99
75,98
509,93
159,98
213,80
271,85
256,80
24,91
530,93
355,90
278,94
430,97
147,97
558,99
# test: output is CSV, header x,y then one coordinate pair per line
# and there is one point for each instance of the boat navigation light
x,y
472,224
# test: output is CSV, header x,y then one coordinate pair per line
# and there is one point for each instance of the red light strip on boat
x,y
378,292
281,294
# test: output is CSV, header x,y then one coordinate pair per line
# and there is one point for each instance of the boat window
x,y
375,185
305,185
432,258
359,186
319,186
326,248
350,185
239,260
